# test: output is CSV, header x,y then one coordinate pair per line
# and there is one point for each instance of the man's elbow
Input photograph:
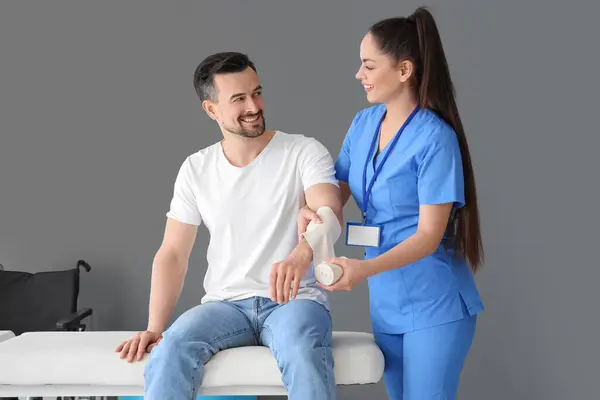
x,y
339,214
170,258
337,206
334,201
331,220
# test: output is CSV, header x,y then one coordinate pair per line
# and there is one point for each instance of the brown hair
x,y
214,64
416,38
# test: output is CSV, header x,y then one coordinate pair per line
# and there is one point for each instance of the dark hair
x,y
416,38
218,63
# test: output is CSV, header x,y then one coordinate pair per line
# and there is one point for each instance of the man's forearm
x,y
302,252
168,275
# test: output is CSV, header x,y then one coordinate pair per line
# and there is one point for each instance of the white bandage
x,y
321,238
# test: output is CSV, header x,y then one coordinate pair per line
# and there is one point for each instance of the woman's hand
x,y
305,217
353,273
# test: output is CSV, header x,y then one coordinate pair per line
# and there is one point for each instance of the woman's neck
x,y
398,110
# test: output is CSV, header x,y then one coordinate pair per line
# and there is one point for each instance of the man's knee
x,y
301,331
176,348
187,336
305,320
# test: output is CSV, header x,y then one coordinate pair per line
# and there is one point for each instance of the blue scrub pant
x,y
427,363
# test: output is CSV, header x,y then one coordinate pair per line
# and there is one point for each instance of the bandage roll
x,y
327,273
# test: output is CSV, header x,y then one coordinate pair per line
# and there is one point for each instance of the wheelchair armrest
x,y
73,321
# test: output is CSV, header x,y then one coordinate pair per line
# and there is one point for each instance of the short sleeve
x,y
342,164
183,205
440,173
316,164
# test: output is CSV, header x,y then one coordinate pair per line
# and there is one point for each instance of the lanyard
x,y
367,191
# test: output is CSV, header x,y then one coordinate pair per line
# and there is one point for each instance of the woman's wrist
x,y
369,267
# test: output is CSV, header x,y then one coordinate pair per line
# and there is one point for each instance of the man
x,y
260,289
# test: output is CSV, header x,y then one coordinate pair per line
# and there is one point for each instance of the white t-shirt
x,y
251,212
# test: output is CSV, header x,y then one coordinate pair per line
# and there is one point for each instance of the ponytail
x,y
435,91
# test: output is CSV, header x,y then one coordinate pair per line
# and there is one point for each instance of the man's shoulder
x,y
203,154
299,142
198,161
208,151
294,138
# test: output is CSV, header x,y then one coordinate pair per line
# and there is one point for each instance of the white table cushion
x,y
89,358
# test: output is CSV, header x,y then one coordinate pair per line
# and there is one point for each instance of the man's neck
x,y
240,151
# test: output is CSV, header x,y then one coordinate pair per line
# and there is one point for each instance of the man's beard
x,y
242,130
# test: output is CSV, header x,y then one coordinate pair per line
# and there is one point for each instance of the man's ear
x,y
210,109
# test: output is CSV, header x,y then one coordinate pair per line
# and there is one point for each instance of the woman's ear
x,y
405,70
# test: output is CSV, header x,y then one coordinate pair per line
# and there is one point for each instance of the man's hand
x,y
142,342
287,274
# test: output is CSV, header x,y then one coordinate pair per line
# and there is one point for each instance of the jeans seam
x,y
212,347
328,346
324,366
240,331
196,365
273,346
256,327
230,335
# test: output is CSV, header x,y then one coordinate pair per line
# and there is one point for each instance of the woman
x,y
406,163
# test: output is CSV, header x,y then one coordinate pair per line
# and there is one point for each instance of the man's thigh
x,y
220,325
300,322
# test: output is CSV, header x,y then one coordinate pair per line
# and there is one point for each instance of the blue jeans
x,y
298,334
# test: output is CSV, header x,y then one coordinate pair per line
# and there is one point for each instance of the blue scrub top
x,y
424,167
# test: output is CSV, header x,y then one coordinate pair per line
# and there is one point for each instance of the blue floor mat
x,y
199,398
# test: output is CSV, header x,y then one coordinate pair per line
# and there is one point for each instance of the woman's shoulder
x,y
365,119
370,114
434,129
428,119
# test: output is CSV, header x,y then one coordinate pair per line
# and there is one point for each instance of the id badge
x,y
362,235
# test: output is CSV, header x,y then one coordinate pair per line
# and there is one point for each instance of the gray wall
x,y
97,111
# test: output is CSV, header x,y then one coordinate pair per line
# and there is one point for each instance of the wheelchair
x,y
42,301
